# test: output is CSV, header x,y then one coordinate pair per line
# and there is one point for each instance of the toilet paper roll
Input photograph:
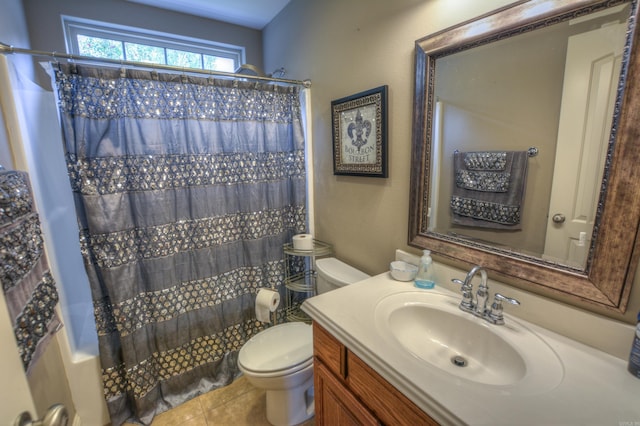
x,y
303,242
267,301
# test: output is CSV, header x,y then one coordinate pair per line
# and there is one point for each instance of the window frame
x,y
73,26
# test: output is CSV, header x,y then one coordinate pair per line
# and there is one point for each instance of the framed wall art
x,y
359,124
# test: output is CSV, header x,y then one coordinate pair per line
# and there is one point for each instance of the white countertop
x,y
596,388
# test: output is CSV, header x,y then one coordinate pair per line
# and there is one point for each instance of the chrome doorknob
x,y
56,415
558,218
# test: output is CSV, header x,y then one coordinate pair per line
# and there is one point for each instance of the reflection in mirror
x,y
553,89
556,77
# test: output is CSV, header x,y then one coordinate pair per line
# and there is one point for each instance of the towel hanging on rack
x,y
489,189
29,289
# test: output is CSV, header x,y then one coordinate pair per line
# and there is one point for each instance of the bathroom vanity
x,y
382,353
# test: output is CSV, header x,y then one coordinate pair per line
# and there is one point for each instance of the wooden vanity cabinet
x,y
349,392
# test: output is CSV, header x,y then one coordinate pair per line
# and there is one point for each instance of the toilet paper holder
x,y
267,302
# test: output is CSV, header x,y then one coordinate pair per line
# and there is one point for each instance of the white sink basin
x,y
438,335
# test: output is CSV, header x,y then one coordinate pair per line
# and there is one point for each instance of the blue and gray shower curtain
x,y
186,189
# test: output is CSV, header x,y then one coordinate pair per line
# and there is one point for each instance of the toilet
x,y
280,358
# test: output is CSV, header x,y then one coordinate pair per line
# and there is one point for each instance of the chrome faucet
x,y
482,295
478,306
468,304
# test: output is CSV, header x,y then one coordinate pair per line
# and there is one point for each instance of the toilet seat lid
x,y
278,348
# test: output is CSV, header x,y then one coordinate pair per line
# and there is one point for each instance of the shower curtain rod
x,y
5,48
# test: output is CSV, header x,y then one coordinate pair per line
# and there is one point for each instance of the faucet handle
x,y
500,298
466,304
457,281
495,315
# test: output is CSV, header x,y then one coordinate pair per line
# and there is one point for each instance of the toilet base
x,y
292,406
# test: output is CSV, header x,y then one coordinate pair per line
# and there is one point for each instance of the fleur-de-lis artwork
x,y
359,135
359,131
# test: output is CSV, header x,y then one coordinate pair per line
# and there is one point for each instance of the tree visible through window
x,y
101,40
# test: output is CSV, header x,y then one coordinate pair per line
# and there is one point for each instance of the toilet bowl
x,y
280,358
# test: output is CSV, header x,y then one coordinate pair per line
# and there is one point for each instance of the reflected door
x,y
591,73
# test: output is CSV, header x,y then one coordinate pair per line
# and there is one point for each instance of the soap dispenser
x,y
425,278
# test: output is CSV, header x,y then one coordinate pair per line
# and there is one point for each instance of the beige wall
x,y
345,47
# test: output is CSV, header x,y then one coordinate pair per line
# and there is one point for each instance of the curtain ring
x,y
183,76
123,72
73,68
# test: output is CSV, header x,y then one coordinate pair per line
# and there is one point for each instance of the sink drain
x,y
459,361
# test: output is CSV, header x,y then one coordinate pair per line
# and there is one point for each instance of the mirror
x,y
506,86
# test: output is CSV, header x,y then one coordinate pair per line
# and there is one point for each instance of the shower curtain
x,y
185,189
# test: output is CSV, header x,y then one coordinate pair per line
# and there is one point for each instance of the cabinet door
x,y
386,402
335,405
331,352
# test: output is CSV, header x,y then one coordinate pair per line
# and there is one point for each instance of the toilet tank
x,y
333,274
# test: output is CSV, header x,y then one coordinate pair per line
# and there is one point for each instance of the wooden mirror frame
x,y
607,279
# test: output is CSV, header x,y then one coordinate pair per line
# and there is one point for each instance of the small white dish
x,y
403,271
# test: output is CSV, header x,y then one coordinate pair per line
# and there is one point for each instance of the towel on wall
x,y
489,189
29,289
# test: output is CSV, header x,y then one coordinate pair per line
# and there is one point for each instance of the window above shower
x,y
110,41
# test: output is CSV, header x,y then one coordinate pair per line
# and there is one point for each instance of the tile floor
x,y
239,404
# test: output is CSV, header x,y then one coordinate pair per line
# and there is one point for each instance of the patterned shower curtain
x,y
185,188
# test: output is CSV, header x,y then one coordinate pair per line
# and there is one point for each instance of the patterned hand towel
x,y
489,189
29,289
